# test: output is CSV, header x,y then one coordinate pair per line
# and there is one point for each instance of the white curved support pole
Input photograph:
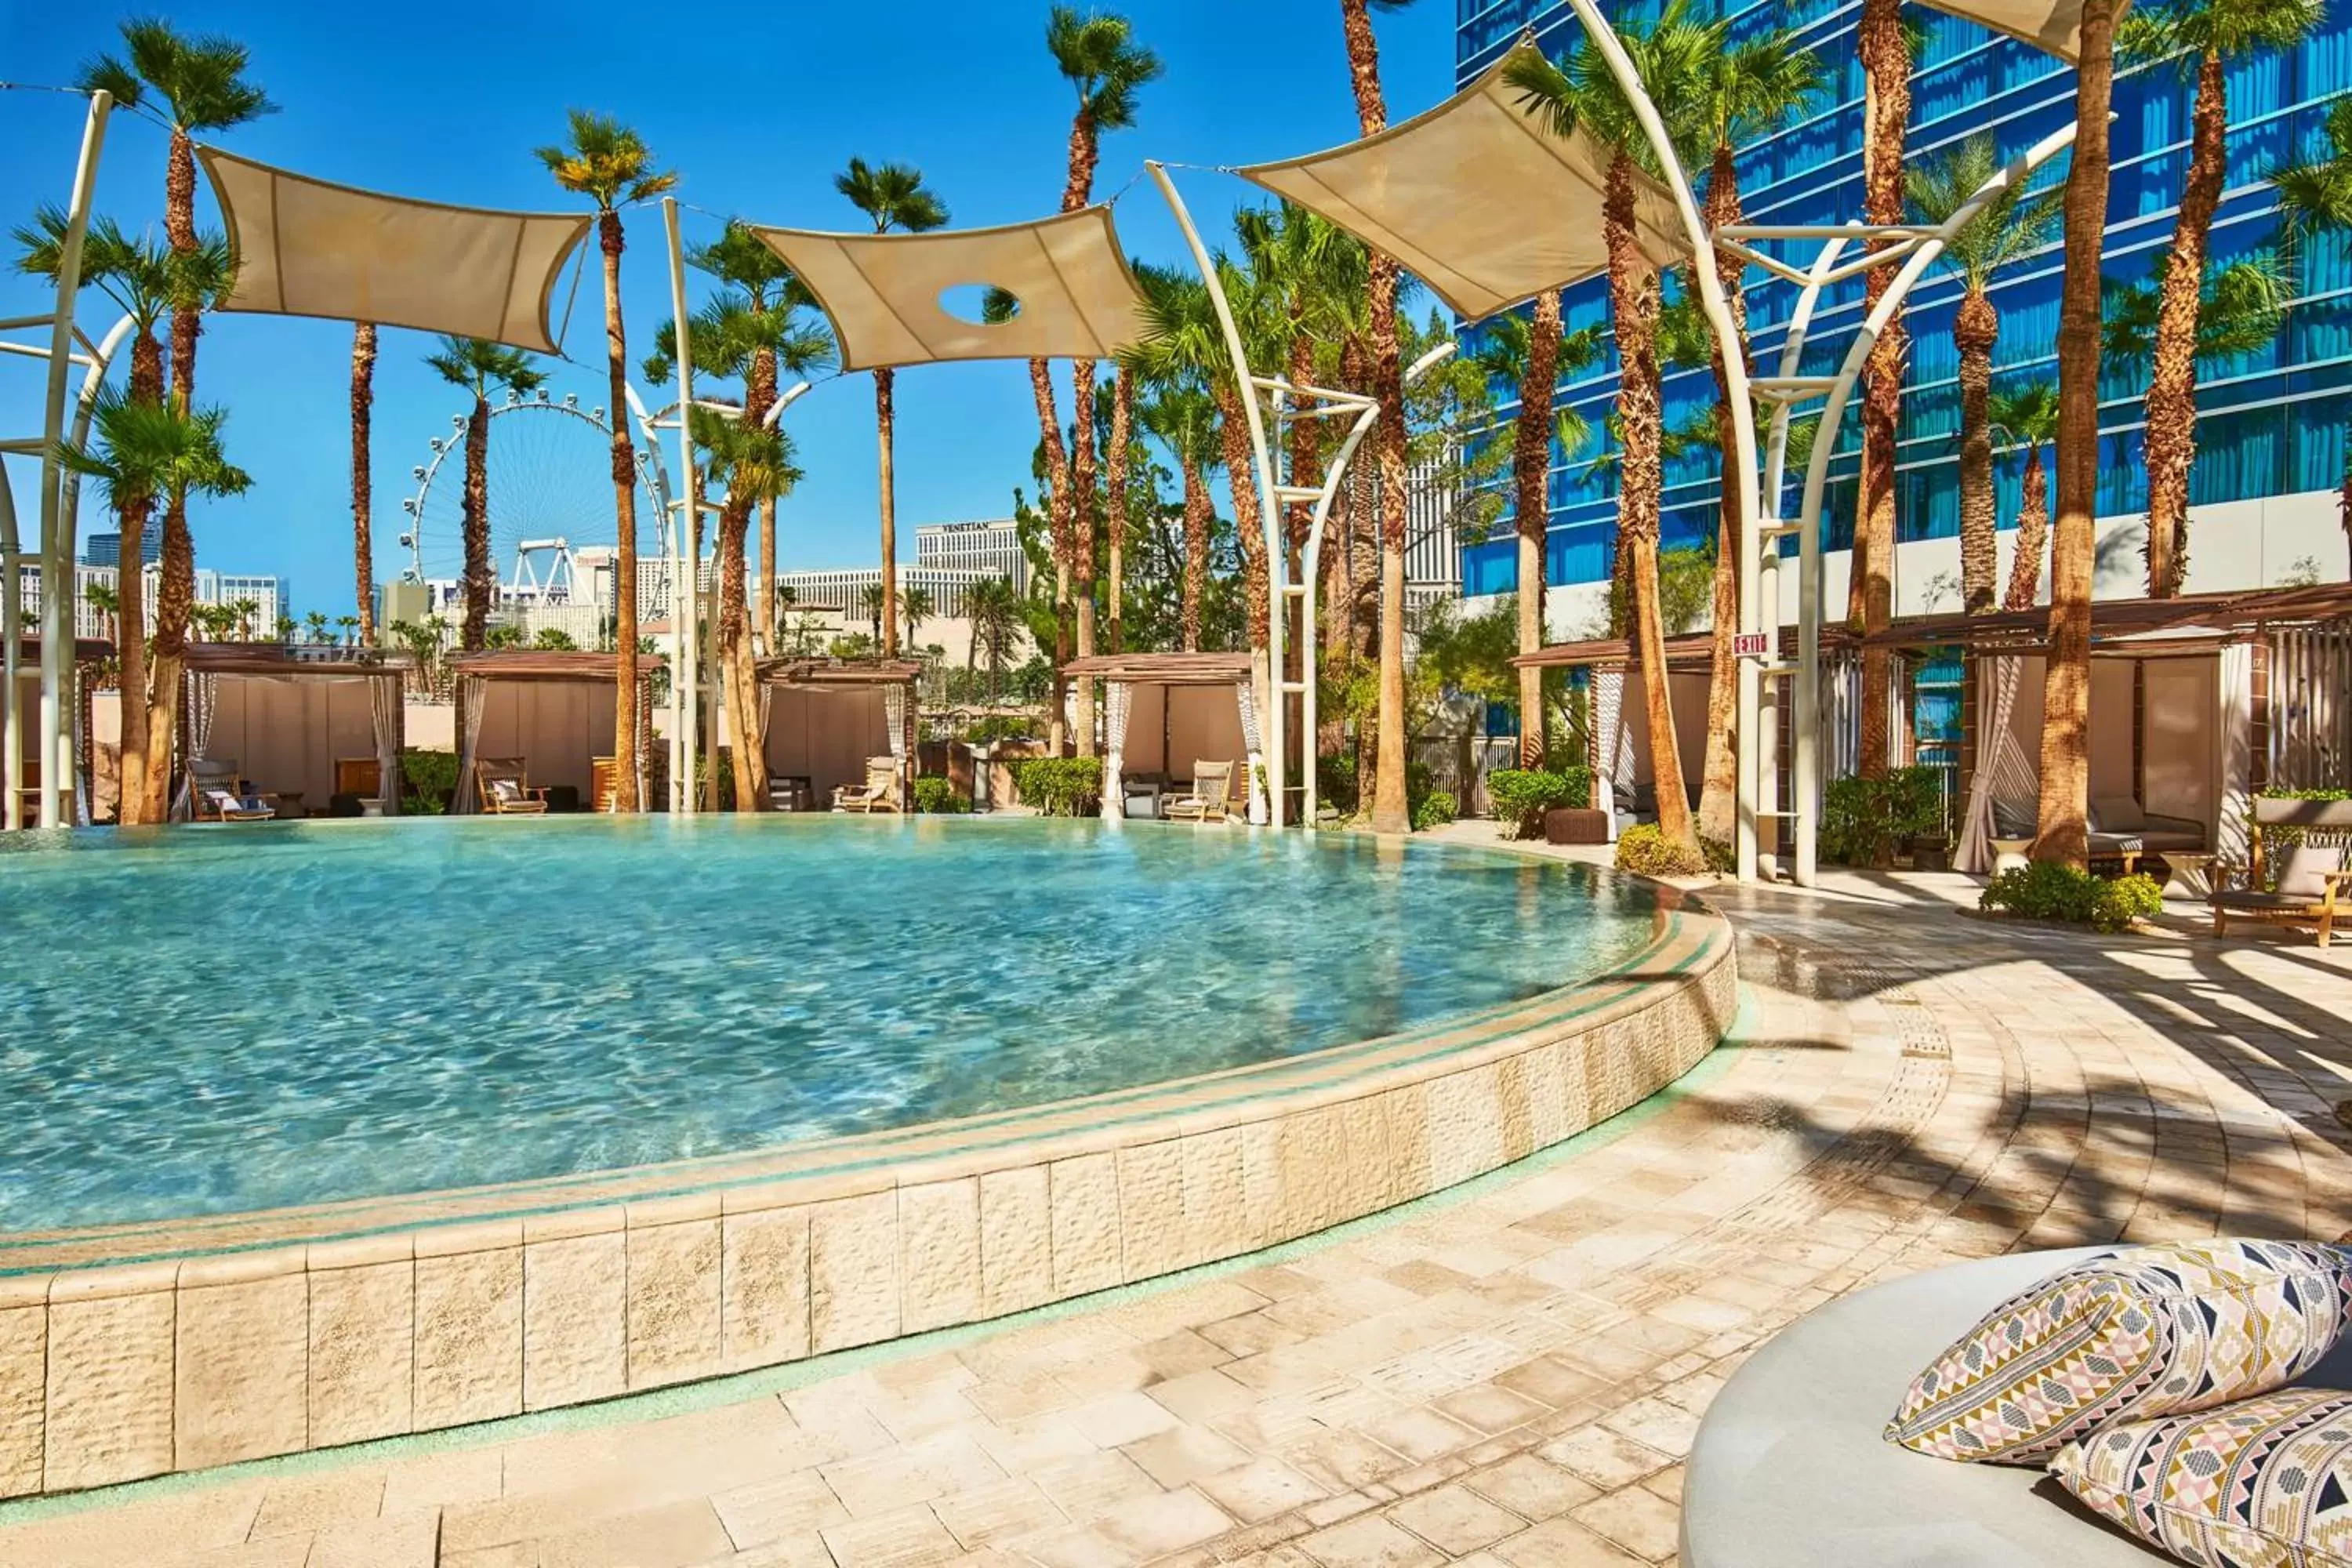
x,y
59,760
1740,471
685,580
94,382
1269,504
1806,781
776,409
12,626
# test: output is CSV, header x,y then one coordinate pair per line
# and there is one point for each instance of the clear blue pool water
x,y
214,1020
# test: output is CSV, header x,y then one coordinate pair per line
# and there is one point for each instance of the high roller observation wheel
x,y
550,479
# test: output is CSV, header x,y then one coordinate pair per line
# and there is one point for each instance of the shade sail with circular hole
x,y
882,292
1478,200
305,248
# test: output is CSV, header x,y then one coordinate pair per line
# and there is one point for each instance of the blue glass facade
x,y
2272,422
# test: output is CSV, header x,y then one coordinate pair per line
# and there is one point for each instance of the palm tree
x,y
995,606
1583,95
2009,227
2065,807
1390,810
1114,473
893,196
915,608
1097,53
1531,353
1183,417
753,460
611,165
2205,36
477,366
142,280
362,482
318,621
102,598
875,600
1884,48
166,451
2315,196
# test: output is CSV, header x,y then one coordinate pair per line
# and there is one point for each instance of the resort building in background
x,y
2270,436
106,549
261,599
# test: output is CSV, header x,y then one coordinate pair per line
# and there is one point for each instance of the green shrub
x,y
1061,786
1522,796
1865,821
2049,890
1436,810
428,780
936,794
990,728
1645,850
1336,783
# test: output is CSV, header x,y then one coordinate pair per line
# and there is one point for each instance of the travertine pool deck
x,y
1507,1375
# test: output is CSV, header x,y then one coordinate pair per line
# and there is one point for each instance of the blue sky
x,y
757,107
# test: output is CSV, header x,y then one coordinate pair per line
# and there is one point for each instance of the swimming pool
x,y
206,1022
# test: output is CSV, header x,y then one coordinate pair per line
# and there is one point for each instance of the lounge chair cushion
x,y
2258,900
2158,840
506,792
2264,1481
2117,813
2146,1332
2305,871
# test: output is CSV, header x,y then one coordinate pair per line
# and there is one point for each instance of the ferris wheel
x,y
549,473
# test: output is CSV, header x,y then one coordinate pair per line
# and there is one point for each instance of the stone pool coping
x,y
136,1349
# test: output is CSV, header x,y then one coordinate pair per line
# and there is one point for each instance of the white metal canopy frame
x,y
67,347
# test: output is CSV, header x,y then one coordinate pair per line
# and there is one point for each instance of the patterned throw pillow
x,y
2263,1483
2146,1332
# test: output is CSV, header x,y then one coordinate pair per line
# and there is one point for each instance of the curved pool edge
x,y
253,1336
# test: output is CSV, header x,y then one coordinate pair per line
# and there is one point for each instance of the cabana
x,y
312,727
1165,711
824,719
2198,704
18,709
550,710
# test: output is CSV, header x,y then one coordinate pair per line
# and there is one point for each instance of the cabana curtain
x,y
1612,743
2003,770
1245,695
385,711
894,717
1116,703
472,693
2236,700
203,700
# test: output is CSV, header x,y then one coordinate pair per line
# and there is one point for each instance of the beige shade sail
x,y
2054,26
1477,199
305,248
883,292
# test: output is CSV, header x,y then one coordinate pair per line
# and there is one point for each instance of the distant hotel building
x,y
106,549
950,557
268,596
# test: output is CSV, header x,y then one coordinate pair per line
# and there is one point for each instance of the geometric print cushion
x,y
2263,1483
2146,1332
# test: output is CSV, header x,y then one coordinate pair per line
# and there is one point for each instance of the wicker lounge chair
x,y
880,792
218,805
1213,783
2314,885
504,786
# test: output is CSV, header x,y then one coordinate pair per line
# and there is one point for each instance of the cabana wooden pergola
x,y
20,703
1193,707
554,711
304,724
822,721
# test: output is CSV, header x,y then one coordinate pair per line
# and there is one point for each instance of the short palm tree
x,y
2027,417
2012,226
875,600
318,624
610,165
1530,354
1183,417
893,198
996,612
2203,38
753,461
915,606
2315,196
477,366
1583,95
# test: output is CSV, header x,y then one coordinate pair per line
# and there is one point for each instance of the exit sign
x,y
1751,645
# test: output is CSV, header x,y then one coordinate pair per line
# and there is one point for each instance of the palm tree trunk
x,y
2032,534
1249,523
1633,293
134,799
474,632
1082,536
2066,687
1392,811
884,434
748,755
2171,443
363,479
1198,514
1976,327
1718,798
176,592
1532,464
1122,435
1059,531
765,632
1870,597
686,598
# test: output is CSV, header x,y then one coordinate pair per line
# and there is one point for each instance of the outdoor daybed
x,y
1790,1468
